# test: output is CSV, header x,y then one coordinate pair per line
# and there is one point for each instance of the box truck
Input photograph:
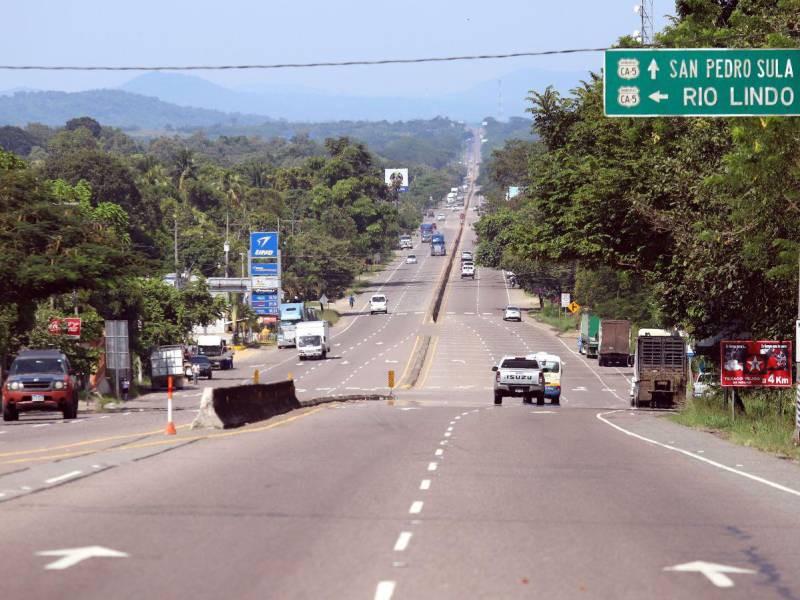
x,y
313,339
614,342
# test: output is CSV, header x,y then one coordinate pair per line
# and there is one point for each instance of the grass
x,y
768,424
330,315
554,316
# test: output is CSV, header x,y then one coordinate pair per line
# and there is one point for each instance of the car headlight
x,y
14,385
59,385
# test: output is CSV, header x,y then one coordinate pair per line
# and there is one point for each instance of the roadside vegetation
x,y
767,425
553,315
91,220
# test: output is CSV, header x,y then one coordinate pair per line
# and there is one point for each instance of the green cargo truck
x,y
590,334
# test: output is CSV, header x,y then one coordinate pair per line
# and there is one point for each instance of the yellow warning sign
x,y
573,307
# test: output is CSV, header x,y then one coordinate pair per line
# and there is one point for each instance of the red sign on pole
x,y
73,327
749,363
54,326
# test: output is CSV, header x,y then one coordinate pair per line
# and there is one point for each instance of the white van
x,y
378,303
313,339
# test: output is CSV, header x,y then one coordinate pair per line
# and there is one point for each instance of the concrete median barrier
x,y
224,408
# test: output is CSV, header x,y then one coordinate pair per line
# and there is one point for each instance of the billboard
x,y
264,244
396,178
747,363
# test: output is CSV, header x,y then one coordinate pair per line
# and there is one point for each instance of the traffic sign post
x,y
701,82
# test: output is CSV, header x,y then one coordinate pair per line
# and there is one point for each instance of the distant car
x,y
440,217
468,270
466,256
705,383
512,313
206,368
378,303
411,259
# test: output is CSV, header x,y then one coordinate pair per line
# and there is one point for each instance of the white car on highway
x,y
468,270
512,313
411,259
440,217
378,303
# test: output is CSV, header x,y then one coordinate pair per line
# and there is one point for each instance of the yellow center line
x,y
163,442
430,359
408,362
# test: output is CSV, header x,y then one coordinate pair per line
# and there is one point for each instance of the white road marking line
x,y
40,425
391,362
105,417
26,488
432,466
447,434
63,477
385,590
97,467
457,418
425,484
439,452
443,443
744,474
402,541
300,390
379,343
465,413
298,364
450,428
416,507
325,389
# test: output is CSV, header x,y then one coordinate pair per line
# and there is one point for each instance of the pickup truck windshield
x,y
519,363
37,365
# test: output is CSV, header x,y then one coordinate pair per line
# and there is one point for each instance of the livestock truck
x,y
660,369
614,342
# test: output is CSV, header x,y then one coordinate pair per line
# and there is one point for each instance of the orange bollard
x,y
256,375
290,377
170,425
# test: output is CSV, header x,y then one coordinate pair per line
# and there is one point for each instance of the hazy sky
x,y
150,32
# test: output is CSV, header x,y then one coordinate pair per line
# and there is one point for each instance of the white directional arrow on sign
x,y
72,556
714,572
653,68
658,97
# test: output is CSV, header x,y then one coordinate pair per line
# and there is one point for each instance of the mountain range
x,y
157,101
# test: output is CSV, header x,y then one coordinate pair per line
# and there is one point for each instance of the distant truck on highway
x,y
166,362
426,232
405,242
216,349
437,245
291,313
518,376
660,369
313,339
590,331
614,342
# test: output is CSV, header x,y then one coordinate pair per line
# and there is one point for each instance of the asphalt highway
x,y
438,494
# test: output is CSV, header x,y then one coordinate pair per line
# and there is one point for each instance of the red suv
x,y
40,380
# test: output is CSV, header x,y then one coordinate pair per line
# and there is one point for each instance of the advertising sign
x,y
264,244
265,303
696,82
262,284
396,178
749,363
69,327
264,269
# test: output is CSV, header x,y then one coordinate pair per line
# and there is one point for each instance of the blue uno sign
x,y
264,244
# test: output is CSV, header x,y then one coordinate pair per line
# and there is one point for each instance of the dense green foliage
x,y
694,217
94,219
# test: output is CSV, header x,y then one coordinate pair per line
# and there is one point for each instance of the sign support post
x,y
796,435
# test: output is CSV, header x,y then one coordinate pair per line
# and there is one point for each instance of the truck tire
x,y
601,362
211,374
498,398
527,399
556,400
540,399
70,411
10,413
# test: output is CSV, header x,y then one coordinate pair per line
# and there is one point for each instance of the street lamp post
x,y
227,247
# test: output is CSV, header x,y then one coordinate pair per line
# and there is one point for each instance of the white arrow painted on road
x,y
714,572
657,97
73,556
653,68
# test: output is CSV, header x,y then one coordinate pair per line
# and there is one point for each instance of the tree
x,y
86,122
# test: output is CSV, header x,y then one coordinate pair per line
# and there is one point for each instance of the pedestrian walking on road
x,y
195,373
352,300
580,344
126,387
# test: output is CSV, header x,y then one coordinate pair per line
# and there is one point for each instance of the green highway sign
x,y
702,82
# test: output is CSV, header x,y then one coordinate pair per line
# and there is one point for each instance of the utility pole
x,y
647,32
175,248
227,245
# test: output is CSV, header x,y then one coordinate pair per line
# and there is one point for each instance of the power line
x,y
348,63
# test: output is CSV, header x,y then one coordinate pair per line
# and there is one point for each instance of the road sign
x,y
565,299
264,244
574,307
697,82
323,299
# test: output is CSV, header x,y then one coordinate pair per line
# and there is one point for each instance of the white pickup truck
x,y
518,376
